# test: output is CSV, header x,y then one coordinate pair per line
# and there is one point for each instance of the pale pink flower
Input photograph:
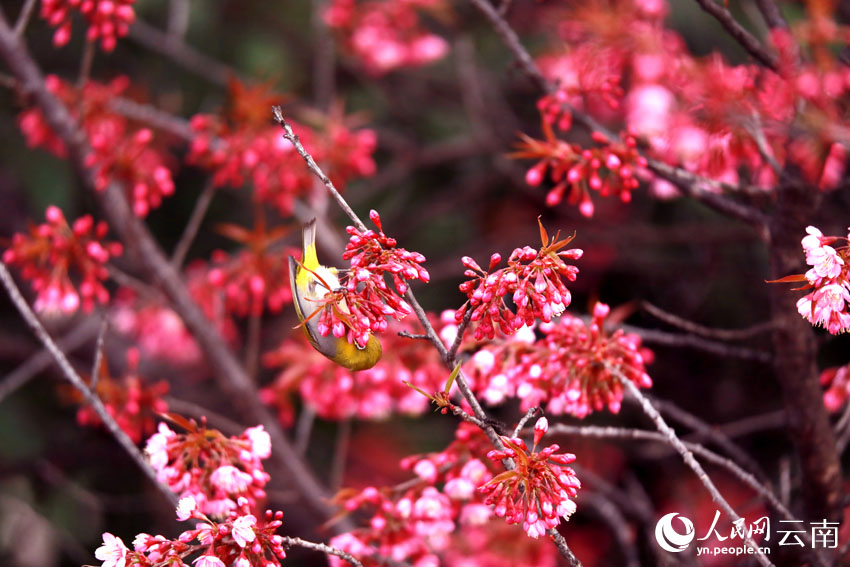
x,y
208,561
230,479
243,529
825,261
113,552
812,240
185,507
157,447
261,443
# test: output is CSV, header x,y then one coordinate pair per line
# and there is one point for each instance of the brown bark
x,y
795,363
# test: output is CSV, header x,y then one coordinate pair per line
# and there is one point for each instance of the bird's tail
x,y
309,259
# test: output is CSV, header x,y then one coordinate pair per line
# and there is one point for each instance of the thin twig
x,y
739,33
611,515
175,49
42,360
89,49
202,205
252,346
303,428
686,455
842,430
653,336
409,335
461,331
705,430
314,167
340,458
98,355
24,18
75,379
709,332
326,549
532,411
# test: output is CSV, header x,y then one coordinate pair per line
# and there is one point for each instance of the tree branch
x,y
740,34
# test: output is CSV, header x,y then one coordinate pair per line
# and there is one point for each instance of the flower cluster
x,y
107,19
335,392
121,151
216,471
132,401
49,253
241,540
360,306
243,147
727,123
828,305
532,277
570,369
414,522
538,492
837,382
255,277
386,35
608,169
157,330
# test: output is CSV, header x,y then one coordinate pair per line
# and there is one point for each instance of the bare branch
x,y
528,415
653,336
71,375
686,455
326,549
24,18
710,332
98,355
740,34
202,205
173,47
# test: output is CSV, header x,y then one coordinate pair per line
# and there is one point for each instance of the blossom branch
x,y
76,380
739,33
684,180
710,332
687,455
231,376
479,413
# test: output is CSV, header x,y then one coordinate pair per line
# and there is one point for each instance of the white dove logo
x,y
667,536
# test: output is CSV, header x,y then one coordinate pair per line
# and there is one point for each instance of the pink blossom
x,y
243,530
261,444
113,552
230,479
208,561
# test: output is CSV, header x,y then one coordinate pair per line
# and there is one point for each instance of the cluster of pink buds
x,y
828,305
216,471
837,383
387,35
107,19
539,491
241,540
571,368
534,278
609,169
51,250
122,152
335,392
411,522
132,401
361,306
132,160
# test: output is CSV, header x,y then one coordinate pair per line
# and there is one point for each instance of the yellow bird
x,y
307,289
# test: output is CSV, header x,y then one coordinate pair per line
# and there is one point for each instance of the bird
x,y
310,282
